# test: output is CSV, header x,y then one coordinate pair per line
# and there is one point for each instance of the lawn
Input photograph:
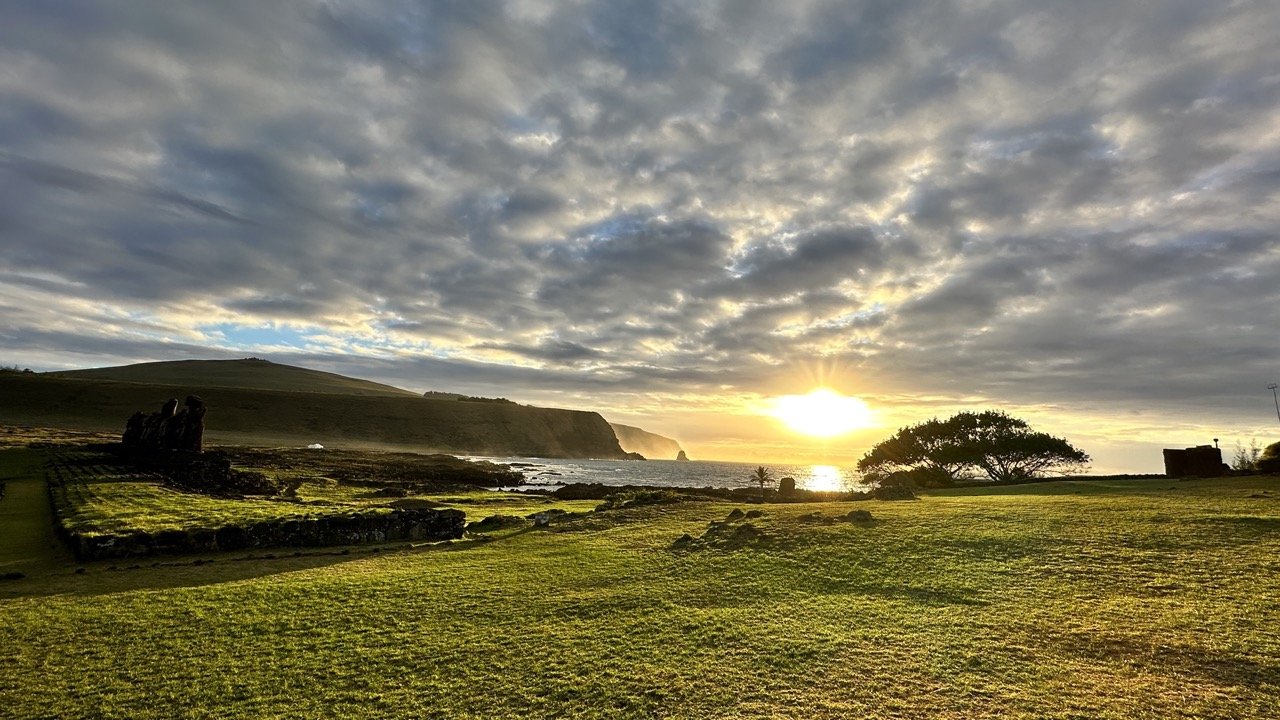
x,y
1082,599
95,496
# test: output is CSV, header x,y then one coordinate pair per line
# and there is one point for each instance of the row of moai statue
x,y
169,429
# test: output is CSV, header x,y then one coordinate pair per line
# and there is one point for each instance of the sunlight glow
x,y
822,413
824,478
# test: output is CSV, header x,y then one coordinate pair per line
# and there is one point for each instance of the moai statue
x,y
787,486
193,430
133,429
160,438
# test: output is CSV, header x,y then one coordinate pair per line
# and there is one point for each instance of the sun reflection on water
x,y
824,478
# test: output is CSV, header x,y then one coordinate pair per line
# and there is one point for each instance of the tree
x,y
993,443
763,477
1246,458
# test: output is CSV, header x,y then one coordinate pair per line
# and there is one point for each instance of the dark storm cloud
x,y
1032,200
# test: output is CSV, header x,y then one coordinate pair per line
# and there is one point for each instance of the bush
x,y
893,492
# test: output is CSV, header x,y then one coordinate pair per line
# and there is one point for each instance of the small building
x,y
1198,461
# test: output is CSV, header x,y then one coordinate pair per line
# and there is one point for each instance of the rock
x,y
496,522
544,518
811,517
755,513
735,515
858,516
680,456
893,492
787,486
683,541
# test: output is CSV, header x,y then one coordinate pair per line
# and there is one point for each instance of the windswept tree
x,y
991,443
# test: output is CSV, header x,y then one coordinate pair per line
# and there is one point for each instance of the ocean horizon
x,y
552,473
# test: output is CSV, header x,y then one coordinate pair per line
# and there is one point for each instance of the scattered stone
x,y
683,541
496,522
858,515
812,517
737,514
755,513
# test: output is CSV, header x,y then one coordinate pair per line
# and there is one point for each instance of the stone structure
x,y
169,429
787,487
1199,461
396,526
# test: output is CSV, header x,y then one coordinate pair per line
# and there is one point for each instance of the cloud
x,y
1025,202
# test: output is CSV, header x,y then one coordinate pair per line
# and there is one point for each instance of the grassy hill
x,y
250,373
283,405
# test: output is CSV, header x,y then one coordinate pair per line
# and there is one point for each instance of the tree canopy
x,y
991,443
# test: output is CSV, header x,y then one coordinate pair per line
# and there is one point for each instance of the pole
x,y
1272,388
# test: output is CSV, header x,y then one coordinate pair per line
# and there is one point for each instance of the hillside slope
x,y
250,373
279,417
650,445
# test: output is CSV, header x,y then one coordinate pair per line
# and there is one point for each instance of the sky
x,y
669,212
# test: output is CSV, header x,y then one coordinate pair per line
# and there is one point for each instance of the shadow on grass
x,y
175,571
1222,668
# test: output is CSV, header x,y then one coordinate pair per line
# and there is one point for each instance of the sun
x,y
822,413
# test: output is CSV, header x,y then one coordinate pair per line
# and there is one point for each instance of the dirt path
x,y
27,542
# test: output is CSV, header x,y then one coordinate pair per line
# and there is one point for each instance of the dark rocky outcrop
x,y
680,456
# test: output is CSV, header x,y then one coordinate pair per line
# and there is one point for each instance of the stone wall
x,y
1199,461
354,529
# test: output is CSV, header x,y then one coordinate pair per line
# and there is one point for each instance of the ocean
x,y
542,472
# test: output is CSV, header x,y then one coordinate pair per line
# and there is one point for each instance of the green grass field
x,y
1115,599
95,497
